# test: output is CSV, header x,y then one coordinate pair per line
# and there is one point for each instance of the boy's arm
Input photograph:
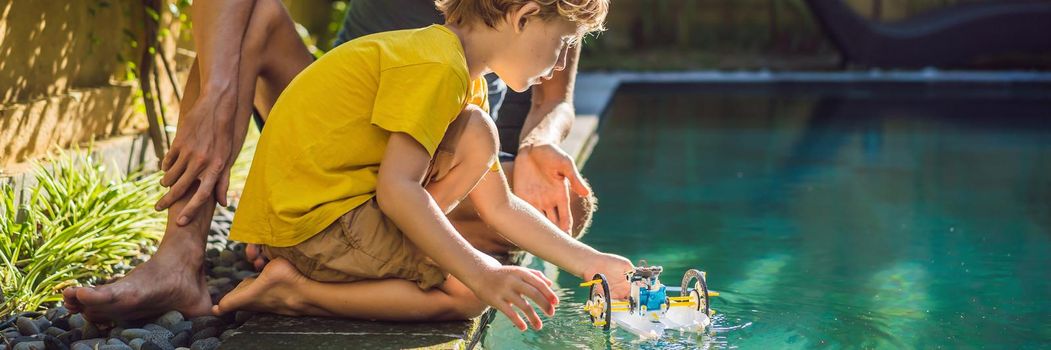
x,y
404,200
524,226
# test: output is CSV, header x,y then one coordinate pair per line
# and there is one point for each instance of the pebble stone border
x,y
57,329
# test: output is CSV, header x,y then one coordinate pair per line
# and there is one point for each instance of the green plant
x,y
76,226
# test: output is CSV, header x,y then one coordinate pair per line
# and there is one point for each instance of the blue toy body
x,y
653,299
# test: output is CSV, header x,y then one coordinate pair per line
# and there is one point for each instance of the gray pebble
x,y
203,322
77,321
12,335
115,347
244,265
209,332
182,326
157,345
227,334
116,331
137,343
91,331
61,322
219,282
42,323
169,319
206,344
53,343
153,327
81,347
74,335
223,271
228,258
23,339
26,326
90,343
241,317
58,312
67,338
54,331
181,339
134,333
30,345
159,331
115,341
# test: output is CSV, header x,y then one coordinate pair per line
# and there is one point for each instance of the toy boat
x,y
649,311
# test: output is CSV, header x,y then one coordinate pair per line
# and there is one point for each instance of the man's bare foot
x,y
254,254
273,291
165,282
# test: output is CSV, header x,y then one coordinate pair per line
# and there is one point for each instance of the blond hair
x,y
589,14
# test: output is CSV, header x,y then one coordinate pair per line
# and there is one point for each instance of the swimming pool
x,y
890,215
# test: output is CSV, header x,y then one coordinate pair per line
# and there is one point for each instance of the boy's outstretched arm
x,y
524,226
404,200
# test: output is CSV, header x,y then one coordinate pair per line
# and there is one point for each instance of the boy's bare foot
x,y
272,291
165,282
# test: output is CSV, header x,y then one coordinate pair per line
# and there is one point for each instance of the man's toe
x,y
88,296
69,299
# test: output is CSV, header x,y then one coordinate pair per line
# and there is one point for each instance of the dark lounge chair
x,y
954,36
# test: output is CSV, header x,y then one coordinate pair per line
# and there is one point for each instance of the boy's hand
x,y
614,267
505,287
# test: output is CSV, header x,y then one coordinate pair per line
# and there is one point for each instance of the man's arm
x,y
202,149
541,167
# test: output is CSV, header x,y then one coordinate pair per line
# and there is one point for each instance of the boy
x,y
368,149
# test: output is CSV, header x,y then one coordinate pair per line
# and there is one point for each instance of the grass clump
x,y
75,225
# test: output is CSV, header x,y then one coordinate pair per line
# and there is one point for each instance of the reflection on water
x,y
827,215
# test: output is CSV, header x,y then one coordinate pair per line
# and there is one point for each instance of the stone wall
x,y
64,73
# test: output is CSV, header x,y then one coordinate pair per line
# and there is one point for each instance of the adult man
x,y
248,52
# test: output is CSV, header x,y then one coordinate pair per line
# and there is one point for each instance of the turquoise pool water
x,y
828,216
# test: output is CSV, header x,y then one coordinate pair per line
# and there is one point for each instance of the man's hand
x,y
540,178
614,267
201,153
507,287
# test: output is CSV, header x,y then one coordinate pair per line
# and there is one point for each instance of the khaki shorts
x,y
365,244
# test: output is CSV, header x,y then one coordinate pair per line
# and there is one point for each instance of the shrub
x,y
77,225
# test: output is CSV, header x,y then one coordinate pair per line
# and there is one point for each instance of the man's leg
x,y
282,289
173,278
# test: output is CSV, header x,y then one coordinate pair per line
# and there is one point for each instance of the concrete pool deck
x,y
593,93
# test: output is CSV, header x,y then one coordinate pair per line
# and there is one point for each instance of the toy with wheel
x,y
598,305
649,310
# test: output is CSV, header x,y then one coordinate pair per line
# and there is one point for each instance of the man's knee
x,y
478,141
269,11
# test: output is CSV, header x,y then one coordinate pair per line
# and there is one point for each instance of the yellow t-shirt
x,y
320,151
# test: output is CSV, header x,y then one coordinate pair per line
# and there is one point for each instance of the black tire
x,y
605,295
690,275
